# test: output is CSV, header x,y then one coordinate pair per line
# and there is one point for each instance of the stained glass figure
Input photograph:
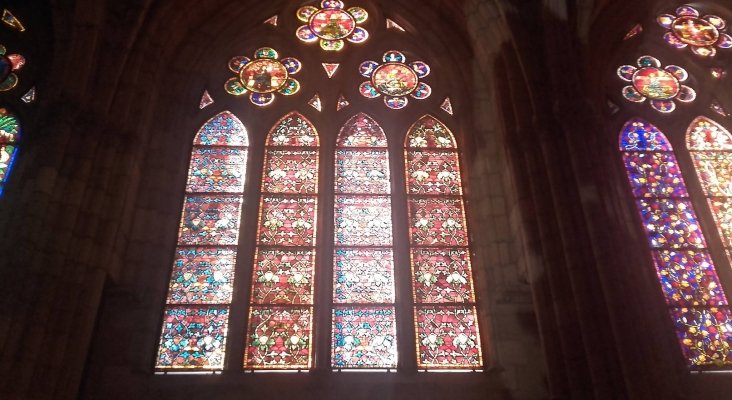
x,y
9,65
364,324
688,29
685,269
281,306
206,100
330,69
10,20
633,32
442,278
315,103
201,284
446,105
331,25
271,20
9,137
263,76
395,79
342,103
29,96
661,86
390,24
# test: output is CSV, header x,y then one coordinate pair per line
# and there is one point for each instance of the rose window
x,y
395,80
661,86
702,34
263,76
331,24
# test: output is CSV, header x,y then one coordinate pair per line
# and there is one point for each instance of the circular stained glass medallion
x,y
263,75
332,24
656,83
695,31
394,79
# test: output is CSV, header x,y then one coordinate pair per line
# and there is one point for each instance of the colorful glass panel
x,y
217,169
291,171
362,171
432,172
722,211
364,337
283,277
287,221
442,275
293,130
363,221
279,338
447,337
437,222
9,137
363,276
193,338
361,131
685,269
202,276
430,133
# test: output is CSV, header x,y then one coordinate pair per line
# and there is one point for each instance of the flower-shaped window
x,y
686,28
661,85
395,79
9,63
263,76
331,24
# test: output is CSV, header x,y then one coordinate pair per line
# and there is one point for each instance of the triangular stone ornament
x,y
29,96
271,20
612,107
392,24
10,20
330,69
446,106
633,32
206,100
342,103
717,108
315,103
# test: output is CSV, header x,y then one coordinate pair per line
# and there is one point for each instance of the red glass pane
x,y
442,275
279,338
447,337
437,222
202,276
363,221
363,276
688,278
287,221
364,338
193,338
361,131
362,171
291,171
283,277
433,172
216,169
210,220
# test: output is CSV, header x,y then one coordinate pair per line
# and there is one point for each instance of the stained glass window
x,y
685,269
9,137
281,307
196,315
364,321
442,280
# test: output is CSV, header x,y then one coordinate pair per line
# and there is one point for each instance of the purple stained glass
x,y
193,338
442,275
279,338
293,130
216,169
433,172
639,135
654,174
362,171
363,276
688,278
363,221
210,220
671,223
291,171
429,133
283,277
364,337
202,276
705,335
361,131
447,337
287,221
222,130
437,222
